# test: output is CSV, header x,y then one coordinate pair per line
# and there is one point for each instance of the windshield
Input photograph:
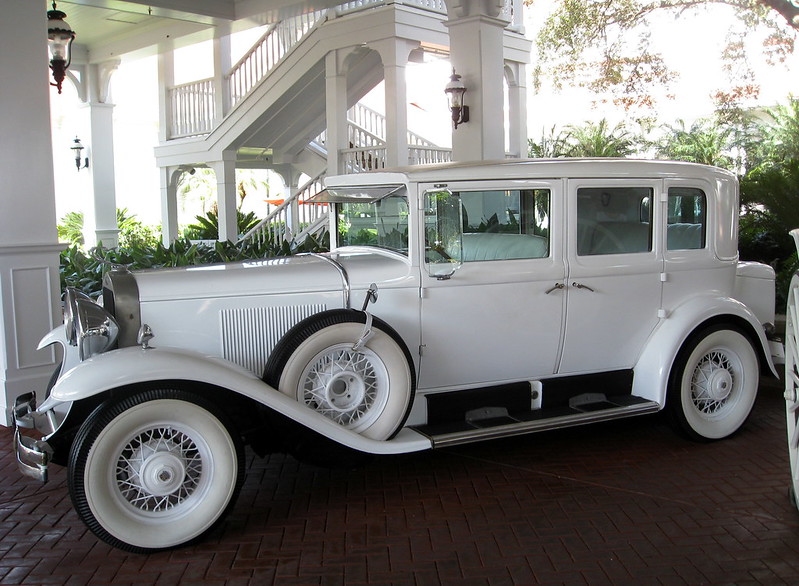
x,y
382,223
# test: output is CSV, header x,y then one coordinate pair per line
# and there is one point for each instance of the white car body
x,y
571,293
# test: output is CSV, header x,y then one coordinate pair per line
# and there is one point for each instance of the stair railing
x,y
290,221
267,51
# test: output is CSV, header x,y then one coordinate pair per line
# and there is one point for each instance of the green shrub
x,y
84,270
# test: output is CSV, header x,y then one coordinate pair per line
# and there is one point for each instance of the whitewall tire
x,y
713,383
368,389
155,470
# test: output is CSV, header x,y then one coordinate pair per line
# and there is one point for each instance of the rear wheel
x,y
714,383
155,470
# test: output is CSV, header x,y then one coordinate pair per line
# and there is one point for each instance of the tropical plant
x,y
70,229
551,146
599,140
207,227
84,270
705,142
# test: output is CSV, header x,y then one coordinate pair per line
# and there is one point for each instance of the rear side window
x,y
687,224
614,220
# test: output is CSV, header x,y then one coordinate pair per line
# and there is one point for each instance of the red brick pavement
x,y
624,503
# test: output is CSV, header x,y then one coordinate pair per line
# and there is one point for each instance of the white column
x,y
516,76
336,111
29,289
166,79
226,195
476,44
222,64
394,54
169,177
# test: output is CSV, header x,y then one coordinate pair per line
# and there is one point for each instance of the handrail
x,y
267,52
266,229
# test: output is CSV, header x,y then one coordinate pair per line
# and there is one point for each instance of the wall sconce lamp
x,y
59,40
455,90
77,148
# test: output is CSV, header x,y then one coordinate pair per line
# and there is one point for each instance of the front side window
x,y
687,225
614,220
382,223
505,224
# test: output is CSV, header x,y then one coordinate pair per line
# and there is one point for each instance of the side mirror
x,y
443,224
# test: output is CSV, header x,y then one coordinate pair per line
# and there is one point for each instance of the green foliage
x,y
586,140
705,142
599,140
207,227
85,270
70,230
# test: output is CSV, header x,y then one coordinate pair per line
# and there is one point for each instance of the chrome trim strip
x,y
487,433
345,279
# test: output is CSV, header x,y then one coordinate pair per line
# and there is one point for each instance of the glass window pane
x,y
687,210
382,223
505,224
614,220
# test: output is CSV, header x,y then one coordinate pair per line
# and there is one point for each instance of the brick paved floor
x,y
629,502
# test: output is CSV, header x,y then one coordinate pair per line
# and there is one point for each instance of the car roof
x,y
532,169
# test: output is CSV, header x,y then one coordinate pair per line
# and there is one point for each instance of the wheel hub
x,y
345,391
159,473
162,473
720,385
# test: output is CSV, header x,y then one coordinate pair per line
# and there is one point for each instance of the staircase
x,y
271,105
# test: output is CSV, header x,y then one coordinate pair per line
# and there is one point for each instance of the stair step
x,y
501,424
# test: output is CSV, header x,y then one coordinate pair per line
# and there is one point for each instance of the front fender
x,y
133,365
654,365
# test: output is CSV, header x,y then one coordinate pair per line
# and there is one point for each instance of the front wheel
x,y
713,383
155,470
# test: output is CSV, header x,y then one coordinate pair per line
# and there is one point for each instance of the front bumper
x,y
33,455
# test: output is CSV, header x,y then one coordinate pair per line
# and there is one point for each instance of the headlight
x,y
88,326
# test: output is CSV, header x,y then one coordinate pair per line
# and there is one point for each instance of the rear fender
x,y
654,365
135,365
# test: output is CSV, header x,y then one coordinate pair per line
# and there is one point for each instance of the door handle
x,y
577,285
555,288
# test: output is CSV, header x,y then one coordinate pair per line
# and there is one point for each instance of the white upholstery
x,y
490,246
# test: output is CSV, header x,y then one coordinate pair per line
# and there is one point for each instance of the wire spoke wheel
x,y
792,383
713,383
155,470
366,388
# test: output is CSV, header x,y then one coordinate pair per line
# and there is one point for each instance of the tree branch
x,y
785,8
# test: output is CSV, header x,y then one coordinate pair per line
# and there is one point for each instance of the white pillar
x,y
394,54
169,177
222,64
476,44
166,79
29,289
516,76
226,196
336,111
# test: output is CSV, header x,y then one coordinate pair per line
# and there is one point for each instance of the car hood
x,y
276,276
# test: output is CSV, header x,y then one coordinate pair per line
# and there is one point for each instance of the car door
x,y
614,257
499,318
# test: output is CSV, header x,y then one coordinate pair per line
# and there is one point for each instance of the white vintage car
x,y
460,302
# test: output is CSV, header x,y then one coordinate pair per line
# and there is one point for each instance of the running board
x,y
501,425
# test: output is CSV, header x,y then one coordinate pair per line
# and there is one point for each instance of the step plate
x,y
452,434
